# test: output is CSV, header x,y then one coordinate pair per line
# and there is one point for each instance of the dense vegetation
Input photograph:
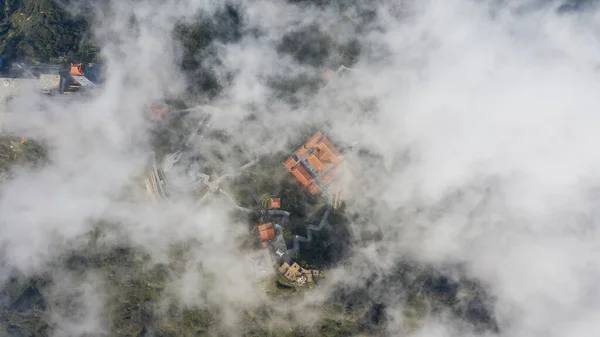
x,y
138,289
137,301
42,30
199,54
16,151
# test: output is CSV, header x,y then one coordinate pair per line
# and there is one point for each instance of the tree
x,y
39,30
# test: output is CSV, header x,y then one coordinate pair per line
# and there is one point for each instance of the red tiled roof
x,y
266,232
265,226
289,163
314,188
316,162
330,175
275,202
267,235
312,142
322,157
302,175
77,69
330,147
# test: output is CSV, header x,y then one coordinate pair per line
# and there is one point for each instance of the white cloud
x,y
494,105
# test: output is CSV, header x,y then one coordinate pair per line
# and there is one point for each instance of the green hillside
x,y
40,30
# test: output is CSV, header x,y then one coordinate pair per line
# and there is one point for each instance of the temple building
x,y
315,164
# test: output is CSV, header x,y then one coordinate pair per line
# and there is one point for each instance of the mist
x,y
473,160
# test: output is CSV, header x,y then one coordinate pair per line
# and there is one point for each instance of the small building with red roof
x,y
266,233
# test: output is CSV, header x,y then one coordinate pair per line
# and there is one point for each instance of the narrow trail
x,y
309,233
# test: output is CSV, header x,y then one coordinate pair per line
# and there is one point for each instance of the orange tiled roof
x,y
312,142
275,202
316,162
321,155
267,235
289,163
77,69
314,189
265,226
302,175
324,155
330,148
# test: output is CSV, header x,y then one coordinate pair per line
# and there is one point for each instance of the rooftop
x,y
275,202
77,69
11,87
297,274
315,163
266,233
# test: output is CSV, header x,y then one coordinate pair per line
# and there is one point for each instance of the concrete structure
x,y
213,186
47,78
155,181
261,262
293,272
12,87
80,76
82,81
49,82
296,274
283,268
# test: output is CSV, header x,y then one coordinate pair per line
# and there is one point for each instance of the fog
x,y
486,111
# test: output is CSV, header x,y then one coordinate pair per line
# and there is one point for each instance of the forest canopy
x,y
40,30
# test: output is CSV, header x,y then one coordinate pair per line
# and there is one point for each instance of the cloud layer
x,y
486,112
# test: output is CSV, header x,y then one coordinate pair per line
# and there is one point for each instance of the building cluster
x,y
315,164
49,79
271,238
266,231
298,275
80,76
155,182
